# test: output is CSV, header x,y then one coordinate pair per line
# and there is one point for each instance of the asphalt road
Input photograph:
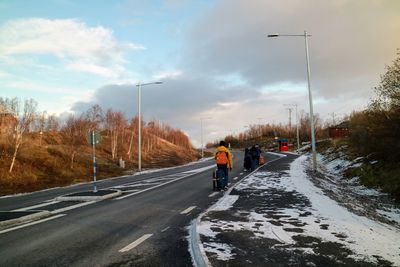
x,y
146,226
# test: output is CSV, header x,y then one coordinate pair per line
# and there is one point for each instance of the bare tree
x,y
95,116
53,123
132,128
114,123
74,133
24,114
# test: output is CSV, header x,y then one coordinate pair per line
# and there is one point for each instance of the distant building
x,y
339,131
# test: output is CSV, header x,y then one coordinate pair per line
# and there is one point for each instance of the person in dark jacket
x,y
254,156
247,159
258,154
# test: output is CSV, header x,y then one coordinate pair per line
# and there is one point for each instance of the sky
x,y
214,58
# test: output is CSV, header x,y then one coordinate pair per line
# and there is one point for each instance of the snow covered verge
x,y
350,193
280,218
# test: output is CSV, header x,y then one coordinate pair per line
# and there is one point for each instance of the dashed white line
x,y
241,173
213,194
188,210
37,206
32,223
156,186
135,243
235,178
165,229
72,207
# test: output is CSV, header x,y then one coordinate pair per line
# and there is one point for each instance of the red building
x,y
339,131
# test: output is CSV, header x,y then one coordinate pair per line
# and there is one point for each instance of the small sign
x,y
97,138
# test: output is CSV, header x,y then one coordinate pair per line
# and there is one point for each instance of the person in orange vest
x,y
223,159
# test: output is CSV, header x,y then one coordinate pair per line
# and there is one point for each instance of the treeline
x,y
265,134
20,121
375,134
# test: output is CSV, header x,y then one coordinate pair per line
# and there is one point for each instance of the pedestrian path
x,y
278,217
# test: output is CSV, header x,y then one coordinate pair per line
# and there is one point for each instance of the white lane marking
x,y
171,181
165,229
135,243
130,191
32,223
277,154
37,206
241,173
134,185
213,194
188,210
72,207
235,178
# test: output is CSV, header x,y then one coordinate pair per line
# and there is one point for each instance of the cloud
x,y
229,70
350,44
168,74
78,46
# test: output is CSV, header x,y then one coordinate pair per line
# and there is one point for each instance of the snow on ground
x,y
322,218
367,237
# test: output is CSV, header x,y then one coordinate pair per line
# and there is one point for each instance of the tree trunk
x,y
130,146
18,141
72,159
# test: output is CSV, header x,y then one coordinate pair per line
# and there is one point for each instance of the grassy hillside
x,y
47,163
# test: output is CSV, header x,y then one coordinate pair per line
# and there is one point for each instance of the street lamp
x,y
305,35
201,129
139,86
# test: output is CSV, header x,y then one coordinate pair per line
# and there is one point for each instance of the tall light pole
x,y
201,129
139,86
314,153
297,125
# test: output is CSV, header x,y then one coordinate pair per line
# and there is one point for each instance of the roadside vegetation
x,y
266,134
39,151
375,135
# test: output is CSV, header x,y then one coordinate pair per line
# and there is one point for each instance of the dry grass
x,y
48,165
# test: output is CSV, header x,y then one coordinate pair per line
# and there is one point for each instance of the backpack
x,y
221,158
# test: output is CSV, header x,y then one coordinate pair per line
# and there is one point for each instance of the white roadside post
x,y
94,163
314,153
93,138
139,86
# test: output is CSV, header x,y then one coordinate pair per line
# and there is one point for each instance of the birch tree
x,y
24,113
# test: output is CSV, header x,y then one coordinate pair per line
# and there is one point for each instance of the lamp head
x,y
273,35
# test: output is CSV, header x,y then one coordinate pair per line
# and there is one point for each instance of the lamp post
x,y
139,86
201,129
306,35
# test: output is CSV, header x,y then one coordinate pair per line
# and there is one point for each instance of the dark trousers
x,y
222,174
253,164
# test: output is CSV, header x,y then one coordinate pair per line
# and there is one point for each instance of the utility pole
x,y
297,123
333,118
290,119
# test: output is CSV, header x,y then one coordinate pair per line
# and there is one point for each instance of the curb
x,y
26,218
88,197
199,257
196,248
